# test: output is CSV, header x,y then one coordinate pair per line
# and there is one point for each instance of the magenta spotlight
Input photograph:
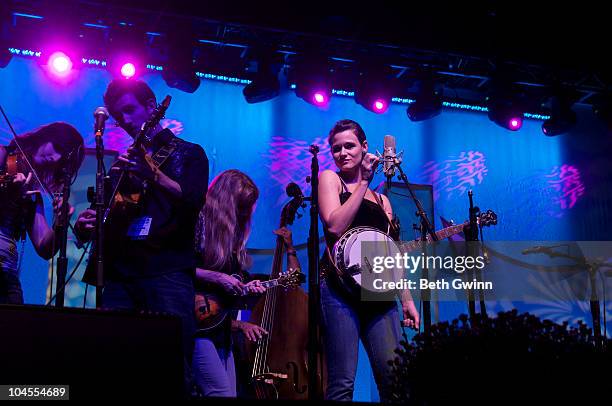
x,y
319,98
60,64
379,106
515,123
128,70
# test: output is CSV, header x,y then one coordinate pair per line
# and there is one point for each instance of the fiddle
x,y
15,163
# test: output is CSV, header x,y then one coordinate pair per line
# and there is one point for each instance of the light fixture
x,y
313,79
373,89
264,66
562,117
428,98
505,104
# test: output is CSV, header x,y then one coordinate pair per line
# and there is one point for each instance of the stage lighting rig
x,y
126,53
505,104
374,88
562,117
179,70
313,79
428,98
264,65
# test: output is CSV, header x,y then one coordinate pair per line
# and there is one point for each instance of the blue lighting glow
x,y
95,25
536,116
463,106
25,52
28,16
222,78
93,62
343,93
401,100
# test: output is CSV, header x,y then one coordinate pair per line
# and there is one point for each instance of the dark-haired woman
x,y
346,201
50,149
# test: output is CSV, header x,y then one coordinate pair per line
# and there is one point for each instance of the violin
x,y
15,163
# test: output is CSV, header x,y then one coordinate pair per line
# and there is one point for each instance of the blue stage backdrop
x,y
543,188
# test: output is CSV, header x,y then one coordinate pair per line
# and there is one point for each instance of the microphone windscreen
x,y
101,111
389,141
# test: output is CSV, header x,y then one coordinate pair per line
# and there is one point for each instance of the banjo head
x,y
358,265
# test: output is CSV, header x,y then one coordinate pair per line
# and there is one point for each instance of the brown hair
x,y
119,87
66,140
344,125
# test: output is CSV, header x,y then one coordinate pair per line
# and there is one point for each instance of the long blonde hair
x,y
224,223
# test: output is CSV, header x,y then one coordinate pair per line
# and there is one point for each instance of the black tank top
x,y
369,214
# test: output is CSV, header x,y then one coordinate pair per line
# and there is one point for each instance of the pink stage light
x,y
320,98
128,70
515,123
379,106
60,64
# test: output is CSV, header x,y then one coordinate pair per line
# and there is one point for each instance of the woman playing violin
x,y
32,165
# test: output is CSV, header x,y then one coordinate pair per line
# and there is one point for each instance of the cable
x,y
76,267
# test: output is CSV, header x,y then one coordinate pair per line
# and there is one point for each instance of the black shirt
x,y
169,245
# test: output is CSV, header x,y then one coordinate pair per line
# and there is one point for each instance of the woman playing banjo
x,y
346,202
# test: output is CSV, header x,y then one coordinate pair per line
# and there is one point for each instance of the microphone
x,y
100,115
389,156
536,250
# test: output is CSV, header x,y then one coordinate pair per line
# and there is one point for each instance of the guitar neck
x,y
440,235
270,283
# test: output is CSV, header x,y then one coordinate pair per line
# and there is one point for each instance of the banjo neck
x,y
441,235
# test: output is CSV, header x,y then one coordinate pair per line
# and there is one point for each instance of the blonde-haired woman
x,y
222,232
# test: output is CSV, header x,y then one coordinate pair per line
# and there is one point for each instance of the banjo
x,y
351,263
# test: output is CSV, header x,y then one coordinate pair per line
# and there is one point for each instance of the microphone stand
x,y
315,386
425,229
61,229
471,238
100,209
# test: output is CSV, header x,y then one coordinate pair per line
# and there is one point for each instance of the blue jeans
x,y
10,288
377,324
213,369
171,293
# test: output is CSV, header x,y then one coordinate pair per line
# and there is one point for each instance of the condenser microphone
x,y
389,156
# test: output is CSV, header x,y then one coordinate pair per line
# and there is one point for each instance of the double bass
x,y
280,359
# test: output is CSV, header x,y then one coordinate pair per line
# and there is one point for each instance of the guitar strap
x,y
390,226
164,152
